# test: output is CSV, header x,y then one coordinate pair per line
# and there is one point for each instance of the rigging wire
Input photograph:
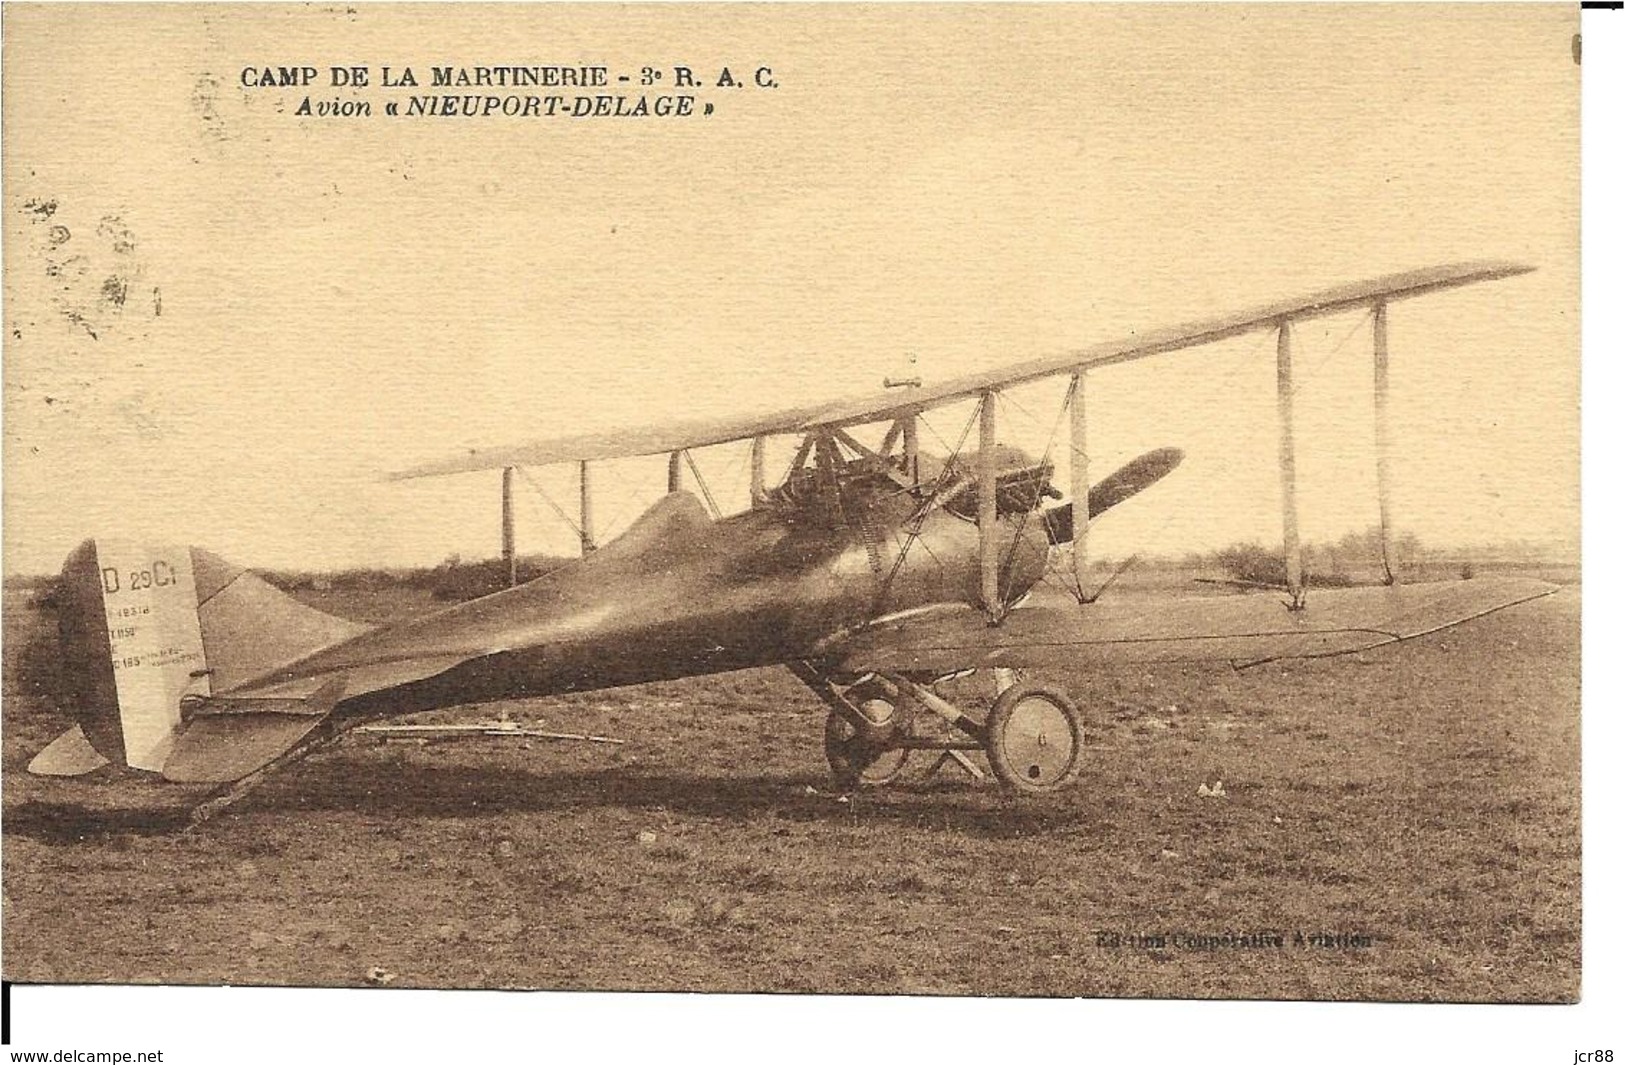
x,y
1225,462
1008,562
1074,450
699,479
955,450
1299,380
560,511
612,525
567,560
736,474
916,523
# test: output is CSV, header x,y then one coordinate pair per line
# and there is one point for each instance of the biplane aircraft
x,y
873,573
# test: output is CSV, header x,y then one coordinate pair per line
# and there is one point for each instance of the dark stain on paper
x,y
91,279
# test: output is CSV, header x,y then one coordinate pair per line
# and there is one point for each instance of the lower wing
x,y
1245,630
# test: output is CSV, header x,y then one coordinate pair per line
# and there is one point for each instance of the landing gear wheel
x,y
1034,739
854,761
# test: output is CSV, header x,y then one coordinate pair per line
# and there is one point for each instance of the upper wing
x,y
892,404
1389,287
1242,629
626,443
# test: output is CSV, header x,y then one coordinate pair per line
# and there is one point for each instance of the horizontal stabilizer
x,y
1247,629
227,739
315,706
218,750
69,755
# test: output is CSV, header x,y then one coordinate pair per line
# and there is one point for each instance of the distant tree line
x,y
1336,564
1356,558
453,580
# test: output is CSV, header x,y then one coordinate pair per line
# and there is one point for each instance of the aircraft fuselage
x,y
682,595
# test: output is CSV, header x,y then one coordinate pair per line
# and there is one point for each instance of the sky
x,y
225,322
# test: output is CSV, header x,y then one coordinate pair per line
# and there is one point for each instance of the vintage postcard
x,y
1053,500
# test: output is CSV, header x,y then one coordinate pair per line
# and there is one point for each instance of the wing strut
x,y
877,457
588,543
911,447
758,470
1379,351
509,560
987,506
1080,489
1289,466
674,472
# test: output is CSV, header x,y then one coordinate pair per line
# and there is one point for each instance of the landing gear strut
x,y
856,759
1033,736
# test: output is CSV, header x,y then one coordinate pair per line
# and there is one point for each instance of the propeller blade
x,y
1135,477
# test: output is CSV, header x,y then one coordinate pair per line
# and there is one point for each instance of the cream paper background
x,y
308,303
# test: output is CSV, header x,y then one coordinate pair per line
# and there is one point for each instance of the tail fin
x,y
141,628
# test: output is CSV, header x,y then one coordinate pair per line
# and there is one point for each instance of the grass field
x,y
1418,808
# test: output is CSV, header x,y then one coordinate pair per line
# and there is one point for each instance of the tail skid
x,y
69,755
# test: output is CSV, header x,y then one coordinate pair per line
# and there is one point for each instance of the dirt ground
x,y
1403,824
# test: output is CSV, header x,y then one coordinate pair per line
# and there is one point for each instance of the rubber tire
x,y
837,735
1016,777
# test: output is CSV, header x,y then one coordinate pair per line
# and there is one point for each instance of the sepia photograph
x,y
930,500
